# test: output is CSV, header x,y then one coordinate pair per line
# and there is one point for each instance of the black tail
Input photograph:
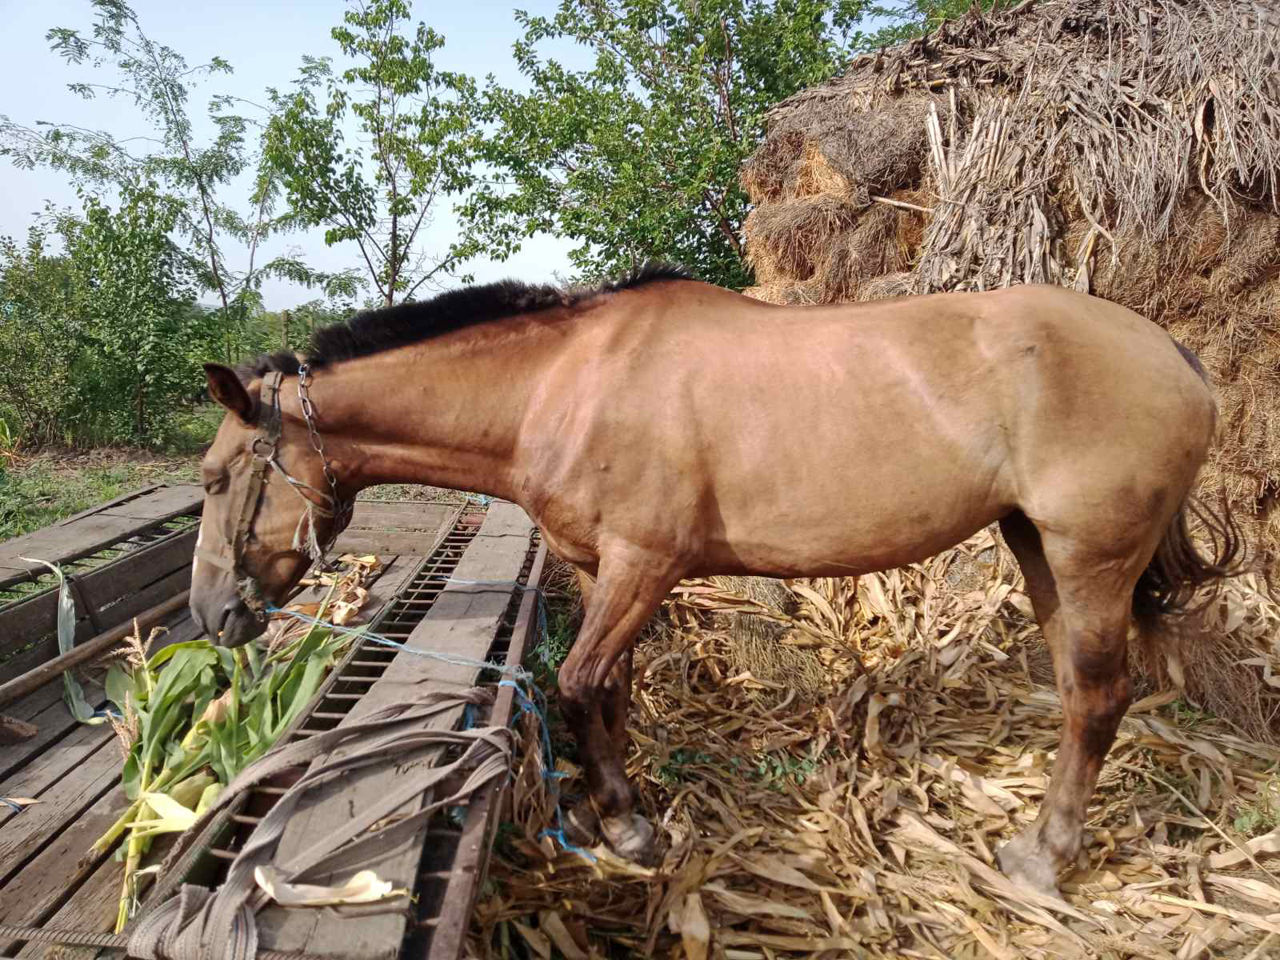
x,y
1178,570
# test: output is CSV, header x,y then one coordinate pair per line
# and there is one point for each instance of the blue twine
x,y
536,707
15,807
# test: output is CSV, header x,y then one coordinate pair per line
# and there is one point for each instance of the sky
x,y
264,40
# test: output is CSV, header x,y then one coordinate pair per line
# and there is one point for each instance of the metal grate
x,y
362,666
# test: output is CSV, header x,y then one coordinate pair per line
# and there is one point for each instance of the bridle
x,y
265,449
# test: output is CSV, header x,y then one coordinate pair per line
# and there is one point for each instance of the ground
x,y
862,820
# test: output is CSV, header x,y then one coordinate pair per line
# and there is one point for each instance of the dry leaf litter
x,y
832,764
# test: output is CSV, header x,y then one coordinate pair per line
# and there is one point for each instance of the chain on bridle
x,y
265,448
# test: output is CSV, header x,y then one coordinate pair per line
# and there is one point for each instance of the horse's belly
x,y
846,522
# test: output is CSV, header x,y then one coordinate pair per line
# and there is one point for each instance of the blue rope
x,y
536,706
15,807
537,709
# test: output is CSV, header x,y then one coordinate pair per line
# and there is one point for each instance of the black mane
x,y
373,331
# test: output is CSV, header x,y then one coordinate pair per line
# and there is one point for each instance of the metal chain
x,y
340,508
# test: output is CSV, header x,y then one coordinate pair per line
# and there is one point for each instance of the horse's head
x,y
270,504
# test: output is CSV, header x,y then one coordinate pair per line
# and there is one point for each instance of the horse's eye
x,y
215,486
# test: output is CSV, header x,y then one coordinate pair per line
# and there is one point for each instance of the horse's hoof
x,y
631,836
1026,860
582,826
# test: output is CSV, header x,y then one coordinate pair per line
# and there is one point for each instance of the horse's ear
x,y
227,388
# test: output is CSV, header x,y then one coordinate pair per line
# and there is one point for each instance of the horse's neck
x,y
433,413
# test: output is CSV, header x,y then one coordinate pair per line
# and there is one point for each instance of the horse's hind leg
x,y
629,588
1082,598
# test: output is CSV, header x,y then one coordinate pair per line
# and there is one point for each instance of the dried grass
x,y
863,822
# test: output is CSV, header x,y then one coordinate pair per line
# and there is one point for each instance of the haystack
x,y
1131,150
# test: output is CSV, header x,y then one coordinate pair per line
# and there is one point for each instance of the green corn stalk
x,y
73,693
204,713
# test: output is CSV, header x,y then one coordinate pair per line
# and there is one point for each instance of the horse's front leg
x,y
628,589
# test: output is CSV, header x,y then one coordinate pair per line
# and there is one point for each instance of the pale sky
x,y
264,41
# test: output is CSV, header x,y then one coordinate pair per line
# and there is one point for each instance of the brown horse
x,y
659,428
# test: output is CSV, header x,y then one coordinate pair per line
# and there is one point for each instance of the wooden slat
x,y
45,707
136,570
398,515
47,769
108,504
36,893
471,857
163,504
92,907
397,528
463,622
61,803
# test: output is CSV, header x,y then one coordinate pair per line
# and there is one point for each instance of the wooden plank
x,y
48,767
375,514
386,544
137,570
470,861
397,528
62,544
19,663
462,622
61,804
107,505
53,722
35,894
45,707
163,504
93,907
37,617
157,592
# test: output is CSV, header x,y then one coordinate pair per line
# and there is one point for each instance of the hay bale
x,y
1130,150
757,644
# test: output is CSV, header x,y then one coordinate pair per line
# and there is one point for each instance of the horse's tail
x,y
1178,569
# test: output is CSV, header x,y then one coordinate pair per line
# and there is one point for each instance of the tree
x,y
38,346
915,17
158,80
411,120
135,286
93,342
637,157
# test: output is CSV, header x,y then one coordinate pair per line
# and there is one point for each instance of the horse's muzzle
x,y
232,624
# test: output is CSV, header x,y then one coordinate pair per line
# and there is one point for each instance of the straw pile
x,y
1128,149
862,822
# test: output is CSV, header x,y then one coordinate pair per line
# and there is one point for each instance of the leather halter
x,y
264,448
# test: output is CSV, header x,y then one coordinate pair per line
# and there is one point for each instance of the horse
x,y
657,428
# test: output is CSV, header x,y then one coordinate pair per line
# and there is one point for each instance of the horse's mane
x,y
373,331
